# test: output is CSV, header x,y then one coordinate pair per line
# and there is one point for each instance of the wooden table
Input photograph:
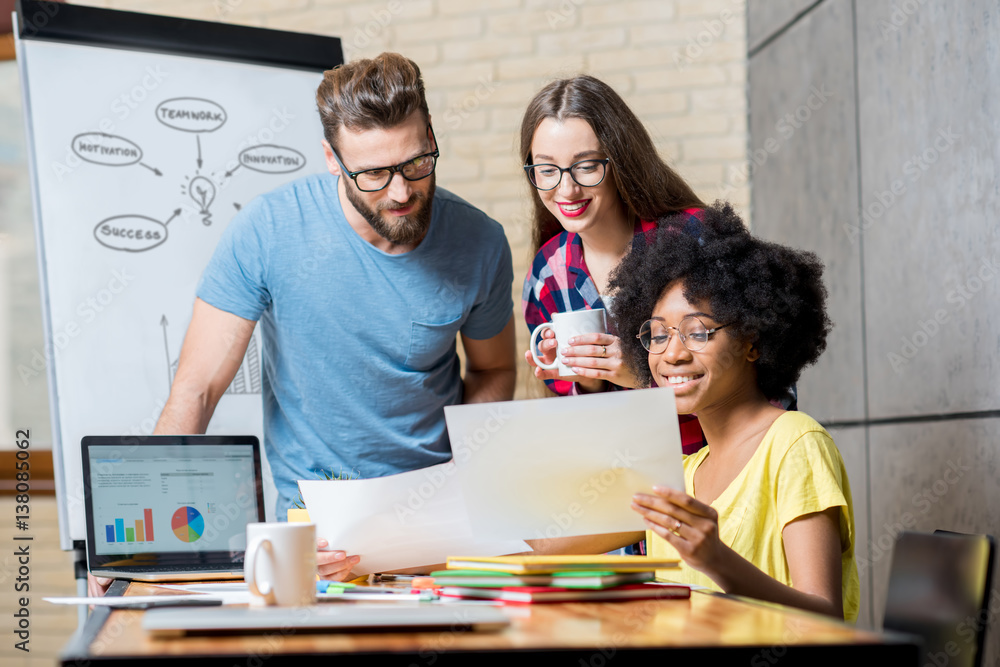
x,y
710,628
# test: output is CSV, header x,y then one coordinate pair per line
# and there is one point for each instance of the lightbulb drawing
x,y
202,192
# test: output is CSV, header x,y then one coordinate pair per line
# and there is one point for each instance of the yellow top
x,y
796,470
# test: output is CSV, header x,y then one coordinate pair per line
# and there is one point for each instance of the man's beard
x,y
404,230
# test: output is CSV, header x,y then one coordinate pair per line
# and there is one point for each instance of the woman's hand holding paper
x,y
689,525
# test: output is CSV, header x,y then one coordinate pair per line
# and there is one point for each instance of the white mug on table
x,y
565,326
280,564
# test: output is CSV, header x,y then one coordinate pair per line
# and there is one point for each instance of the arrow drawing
x,y
177,212
152,169
231,171
170,378
198,137
238,207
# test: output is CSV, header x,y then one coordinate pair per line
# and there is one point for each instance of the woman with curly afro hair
x,y
729,321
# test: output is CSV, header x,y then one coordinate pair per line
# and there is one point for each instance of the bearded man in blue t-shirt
x,y
361,279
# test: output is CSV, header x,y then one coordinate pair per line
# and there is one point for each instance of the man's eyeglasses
x,y
587,173
373,180
655,336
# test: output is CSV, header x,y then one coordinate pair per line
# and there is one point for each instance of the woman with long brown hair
x,y
596,181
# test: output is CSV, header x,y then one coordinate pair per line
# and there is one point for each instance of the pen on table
x,y
167,602
378,577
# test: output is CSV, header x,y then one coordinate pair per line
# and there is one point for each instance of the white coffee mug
x,y
280,565
565,326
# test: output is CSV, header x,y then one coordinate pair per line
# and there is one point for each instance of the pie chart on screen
x,y
188,524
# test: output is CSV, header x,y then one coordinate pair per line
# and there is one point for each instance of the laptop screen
x,y
170,500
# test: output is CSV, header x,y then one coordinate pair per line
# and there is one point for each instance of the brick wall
x,y
680,64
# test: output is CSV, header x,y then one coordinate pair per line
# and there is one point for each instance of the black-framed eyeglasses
x,y
655,335
588,173
415,169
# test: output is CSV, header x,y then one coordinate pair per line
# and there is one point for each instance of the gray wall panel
x,y
930,162
802,124
933,476
765,17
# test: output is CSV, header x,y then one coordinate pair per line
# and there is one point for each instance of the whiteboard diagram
x,y
134,193
138,232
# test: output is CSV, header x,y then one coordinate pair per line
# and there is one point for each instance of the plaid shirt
x,y
559,282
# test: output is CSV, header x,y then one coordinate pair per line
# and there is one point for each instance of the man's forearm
x,y
489,386
183,413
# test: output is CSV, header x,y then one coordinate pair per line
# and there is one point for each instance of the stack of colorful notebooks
x,y
527,579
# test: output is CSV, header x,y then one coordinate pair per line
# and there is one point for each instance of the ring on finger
x,y
677,527
604,351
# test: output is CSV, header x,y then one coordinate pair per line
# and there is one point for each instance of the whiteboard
x,y
139,161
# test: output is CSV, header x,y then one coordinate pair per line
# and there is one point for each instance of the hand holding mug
x,y
598,356
582,349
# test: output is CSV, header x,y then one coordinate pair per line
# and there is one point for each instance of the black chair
x,y
939,589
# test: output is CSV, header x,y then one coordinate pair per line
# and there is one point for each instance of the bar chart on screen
x,y
142,532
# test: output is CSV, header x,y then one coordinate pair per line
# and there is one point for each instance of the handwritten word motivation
x,y
191,114
106,149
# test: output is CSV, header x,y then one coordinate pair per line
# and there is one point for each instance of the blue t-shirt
x,y
359,352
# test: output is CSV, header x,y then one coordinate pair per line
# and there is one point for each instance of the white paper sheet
x,y
557,467
399,521
230,592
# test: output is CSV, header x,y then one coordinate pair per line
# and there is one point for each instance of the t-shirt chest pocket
x,y
430,342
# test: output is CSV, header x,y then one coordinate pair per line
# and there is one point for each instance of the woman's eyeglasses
x,y
655,335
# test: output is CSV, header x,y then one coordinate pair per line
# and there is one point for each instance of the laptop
x,y
333,617
170,507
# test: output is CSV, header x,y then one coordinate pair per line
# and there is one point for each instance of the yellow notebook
x,y
545,564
